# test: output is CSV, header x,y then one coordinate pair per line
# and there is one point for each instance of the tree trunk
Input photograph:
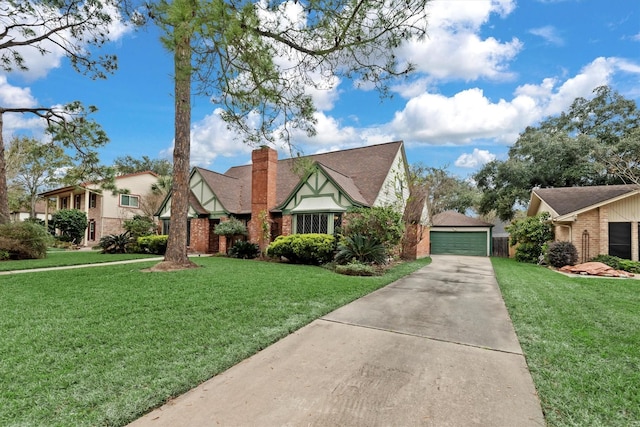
x,y
4,194
176,255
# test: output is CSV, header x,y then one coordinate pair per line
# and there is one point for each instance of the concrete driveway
x,y
436,348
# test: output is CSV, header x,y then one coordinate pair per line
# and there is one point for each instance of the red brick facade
x,y
263,193
416,243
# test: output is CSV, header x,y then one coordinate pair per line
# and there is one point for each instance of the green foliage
x,y
440,190
32,166
362,249
244,250
230,228
577,148
153,244
313,249
355,268
619,263
72,223
115,243
560,254
23,240
379,224
530,234
139,226
129,164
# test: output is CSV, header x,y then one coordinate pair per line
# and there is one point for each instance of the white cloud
x,y
549,34
475,159
210,139
454,49
38,64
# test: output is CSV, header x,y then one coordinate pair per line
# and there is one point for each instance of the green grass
x,y
105,345
581,338
66,258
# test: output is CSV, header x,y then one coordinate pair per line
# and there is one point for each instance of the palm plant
x,y
362,249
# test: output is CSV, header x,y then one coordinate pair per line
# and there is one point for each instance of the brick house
x,y
308,194
597,220
105,211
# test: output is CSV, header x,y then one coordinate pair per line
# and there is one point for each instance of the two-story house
x,y
105,211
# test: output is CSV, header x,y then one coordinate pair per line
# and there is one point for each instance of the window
x,y
64,203
312,223
129,200
93,200
77,201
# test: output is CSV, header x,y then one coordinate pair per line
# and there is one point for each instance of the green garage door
x,y
459,243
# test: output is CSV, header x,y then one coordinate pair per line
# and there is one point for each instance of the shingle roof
x,y
456,219
360,172
228,189
566,200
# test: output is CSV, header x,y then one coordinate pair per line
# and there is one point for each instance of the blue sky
x,y
487,70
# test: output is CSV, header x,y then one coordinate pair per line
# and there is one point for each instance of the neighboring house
x,y
23,213
105,211
307,194
597,220
453,233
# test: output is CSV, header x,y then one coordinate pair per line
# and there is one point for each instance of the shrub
x,y
362,249
381,224
72,223
244,250
355,269
314,249
4,255
530,234
232,227
156,244
115,243
560,254
619,263
139,226
23,240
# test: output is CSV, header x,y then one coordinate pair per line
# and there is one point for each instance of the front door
x,y
214,239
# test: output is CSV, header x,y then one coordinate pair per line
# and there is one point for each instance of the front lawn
x,y
581,338
106,345
66,258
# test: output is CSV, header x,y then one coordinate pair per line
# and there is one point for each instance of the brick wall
x,y
415,243
263,191
199,241
587,244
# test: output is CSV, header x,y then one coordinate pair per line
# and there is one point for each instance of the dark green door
x,y
459,243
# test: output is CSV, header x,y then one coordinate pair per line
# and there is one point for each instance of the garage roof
x,y
456,219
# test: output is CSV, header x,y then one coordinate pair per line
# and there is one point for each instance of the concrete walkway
x,y
436,348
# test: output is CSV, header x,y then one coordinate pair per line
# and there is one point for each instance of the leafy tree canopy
x,y
572,149
129,164
439,191
32,167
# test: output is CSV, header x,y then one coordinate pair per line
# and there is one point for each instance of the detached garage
x,y
455,234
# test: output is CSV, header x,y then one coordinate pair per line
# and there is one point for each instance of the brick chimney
x,y
264,173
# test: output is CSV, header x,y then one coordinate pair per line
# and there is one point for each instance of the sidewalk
x,y
436,348
70,267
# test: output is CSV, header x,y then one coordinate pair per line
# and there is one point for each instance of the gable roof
x,y
570,200
360,172
456,219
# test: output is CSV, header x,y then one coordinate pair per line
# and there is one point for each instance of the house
x,y
307,194
23,213
453,233
105,211
597,220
